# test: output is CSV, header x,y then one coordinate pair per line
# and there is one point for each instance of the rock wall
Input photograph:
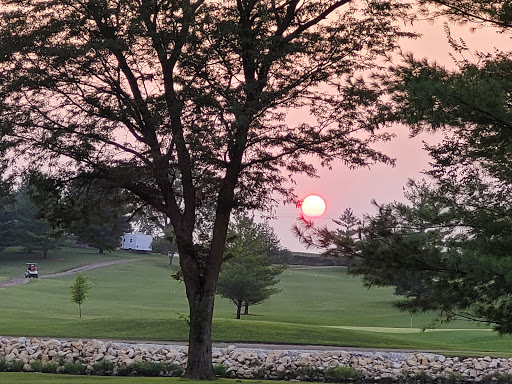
x,y
307,365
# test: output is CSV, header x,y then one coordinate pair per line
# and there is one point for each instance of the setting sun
x,y
313,206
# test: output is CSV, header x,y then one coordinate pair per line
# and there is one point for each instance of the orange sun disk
x,y
313,206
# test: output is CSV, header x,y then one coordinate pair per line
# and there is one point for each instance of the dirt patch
x,y
73,271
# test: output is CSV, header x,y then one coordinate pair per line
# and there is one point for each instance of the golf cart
x,y
31,271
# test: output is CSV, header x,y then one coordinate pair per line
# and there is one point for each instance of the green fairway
x,y
140,301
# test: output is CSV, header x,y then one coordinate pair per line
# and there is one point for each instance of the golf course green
x,y
138,300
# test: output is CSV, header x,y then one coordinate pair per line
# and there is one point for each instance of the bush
x,y
220,370
73,369
421,377
103,368
497,378
341,374
37,365
147,368
309,373
124,370
3,365
51,367
175,369
16,366
453,378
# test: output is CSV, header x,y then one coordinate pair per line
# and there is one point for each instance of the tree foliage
x,y
448,249
95,212
476,13
21,223
31,230
466,213
7,222
184,104
445,253
247,276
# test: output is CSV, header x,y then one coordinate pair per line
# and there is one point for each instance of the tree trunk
x,y
199,365
200,270
246,308
238,309
100,251
171,256
45,254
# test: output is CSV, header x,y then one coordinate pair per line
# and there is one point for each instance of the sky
x,y
343,188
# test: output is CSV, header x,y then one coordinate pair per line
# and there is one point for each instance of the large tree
x,y
448,249
184,104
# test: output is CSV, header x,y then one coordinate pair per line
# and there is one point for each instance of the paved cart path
x,y
73,271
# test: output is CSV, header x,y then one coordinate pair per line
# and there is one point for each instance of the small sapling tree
x,y
81,286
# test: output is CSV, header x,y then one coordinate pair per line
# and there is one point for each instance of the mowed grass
x,y
45,378
12,260
140,301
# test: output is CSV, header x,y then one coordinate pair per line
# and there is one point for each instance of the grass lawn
x,y
140,301
12,260
45,378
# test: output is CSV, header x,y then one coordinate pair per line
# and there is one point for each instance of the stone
x,y
10,357
98,357
280,368
243,363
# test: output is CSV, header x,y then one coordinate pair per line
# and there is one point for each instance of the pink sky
x,y
343,188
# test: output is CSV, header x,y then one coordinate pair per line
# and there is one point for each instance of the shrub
x,y
124,370
51,367
308,372
453,378
147,368
421,377
260,374
103,368
175,369
16,366
341,374
3,365
73,368
220,370
497,378
37,365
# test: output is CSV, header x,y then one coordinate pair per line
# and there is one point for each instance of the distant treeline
x,y
304,258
